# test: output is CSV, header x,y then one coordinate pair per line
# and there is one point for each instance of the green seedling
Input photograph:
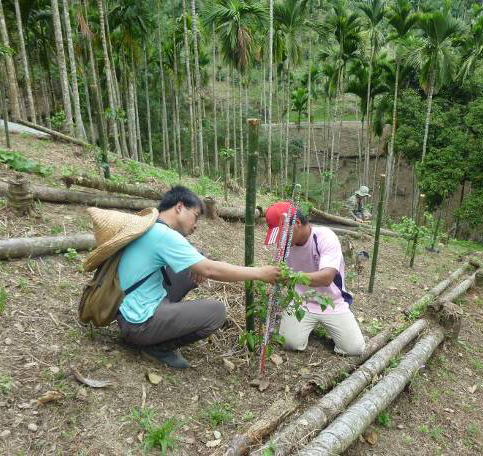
x,y
384,419
3,300
219,413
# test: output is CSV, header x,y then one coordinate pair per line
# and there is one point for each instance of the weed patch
x,y
17,162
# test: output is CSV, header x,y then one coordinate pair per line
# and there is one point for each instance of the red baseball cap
x,y
274,219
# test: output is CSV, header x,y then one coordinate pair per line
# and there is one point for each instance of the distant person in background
x,y
355,205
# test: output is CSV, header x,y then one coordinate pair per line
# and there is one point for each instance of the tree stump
x,y
19,196
210,207
449,317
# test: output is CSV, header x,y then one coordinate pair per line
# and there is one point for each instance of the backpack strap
x,y
316,246
137,284
166,278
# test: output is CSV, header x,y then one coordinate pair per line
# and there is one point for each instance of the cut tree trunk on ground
x,y
347,427
316,418
106,185
459,290
56,195
235,213
325,218
53,133
437,290
280,410
45,245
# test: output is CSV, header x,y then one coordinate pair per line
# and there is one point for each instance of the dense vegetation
x,y
173,83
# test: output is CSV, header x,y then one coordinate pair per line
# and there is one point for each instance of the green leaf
x,y
299,314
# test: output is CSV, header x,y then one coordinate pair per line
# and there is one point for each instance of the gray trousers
x,y
175,322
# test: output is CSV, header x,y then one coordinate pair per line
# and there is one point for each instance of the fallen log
x,y
44,245
109,186
313,420
235,213
57,195
280,410
53,133
347,427
460,289
317,216
420,305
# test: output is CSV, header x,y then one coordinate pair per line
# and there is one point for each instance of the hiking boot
x,y
172,358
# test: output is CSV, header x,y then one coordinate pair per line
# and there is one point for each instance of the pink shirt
x,y
322,251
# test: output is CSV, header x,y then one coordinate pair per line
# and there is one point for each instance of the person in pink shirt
x,y
316,251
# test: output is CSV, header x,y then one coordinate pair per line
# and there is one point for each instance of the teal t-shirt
x,y
159,246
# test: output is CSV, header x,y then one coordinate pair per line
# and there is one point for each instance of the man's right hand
x,y
269,274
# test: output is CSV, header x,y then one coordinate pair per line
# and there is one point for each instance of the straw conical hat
x,y
113,230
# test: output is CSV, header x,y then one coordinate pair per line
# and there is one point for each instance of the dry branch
x,y
53,133
348,426
329,406
279,411
46,245
106,185
437,290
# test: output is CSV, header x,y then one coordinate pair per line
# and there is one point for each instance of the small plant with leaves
x,y
71,255
58,120
289,300
219,413
17,162
384,419
6,384
3,300
161,437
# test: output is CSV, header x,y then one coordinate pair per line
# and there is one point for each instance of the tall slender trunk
x,y
227,130
90,134
79,124
64,81
198,88
164,116
23,52
95,85
176,108
235,158
139,143
110,91
368,114
428,113
242,164
121,124
215,126
270,90
131,118
287,122
190,88
13,91
309,89
390,155
148,107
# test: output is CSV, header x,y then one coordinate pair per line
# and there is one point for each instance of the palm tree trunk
x,y
64,81
390,155
91,135
96,86
368,119
23,52
428,113
131,118
309,89
198,88
13,91
270,90
215,127
117,93
138,128
190,89
240,104
148,108
79,125
110,91
287,122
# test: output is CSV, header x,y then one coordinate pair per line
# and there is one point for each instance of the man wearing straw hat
x,y
355,204
158,267
316,251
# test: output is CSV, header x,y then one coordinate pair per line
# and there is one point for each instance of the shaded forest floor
x,y
40,338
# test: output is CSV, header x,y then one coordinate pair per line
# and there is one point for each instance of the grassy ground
x,y
40,339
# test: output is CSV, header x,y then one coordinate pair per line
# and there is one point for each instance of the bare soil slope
x,y
40,339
